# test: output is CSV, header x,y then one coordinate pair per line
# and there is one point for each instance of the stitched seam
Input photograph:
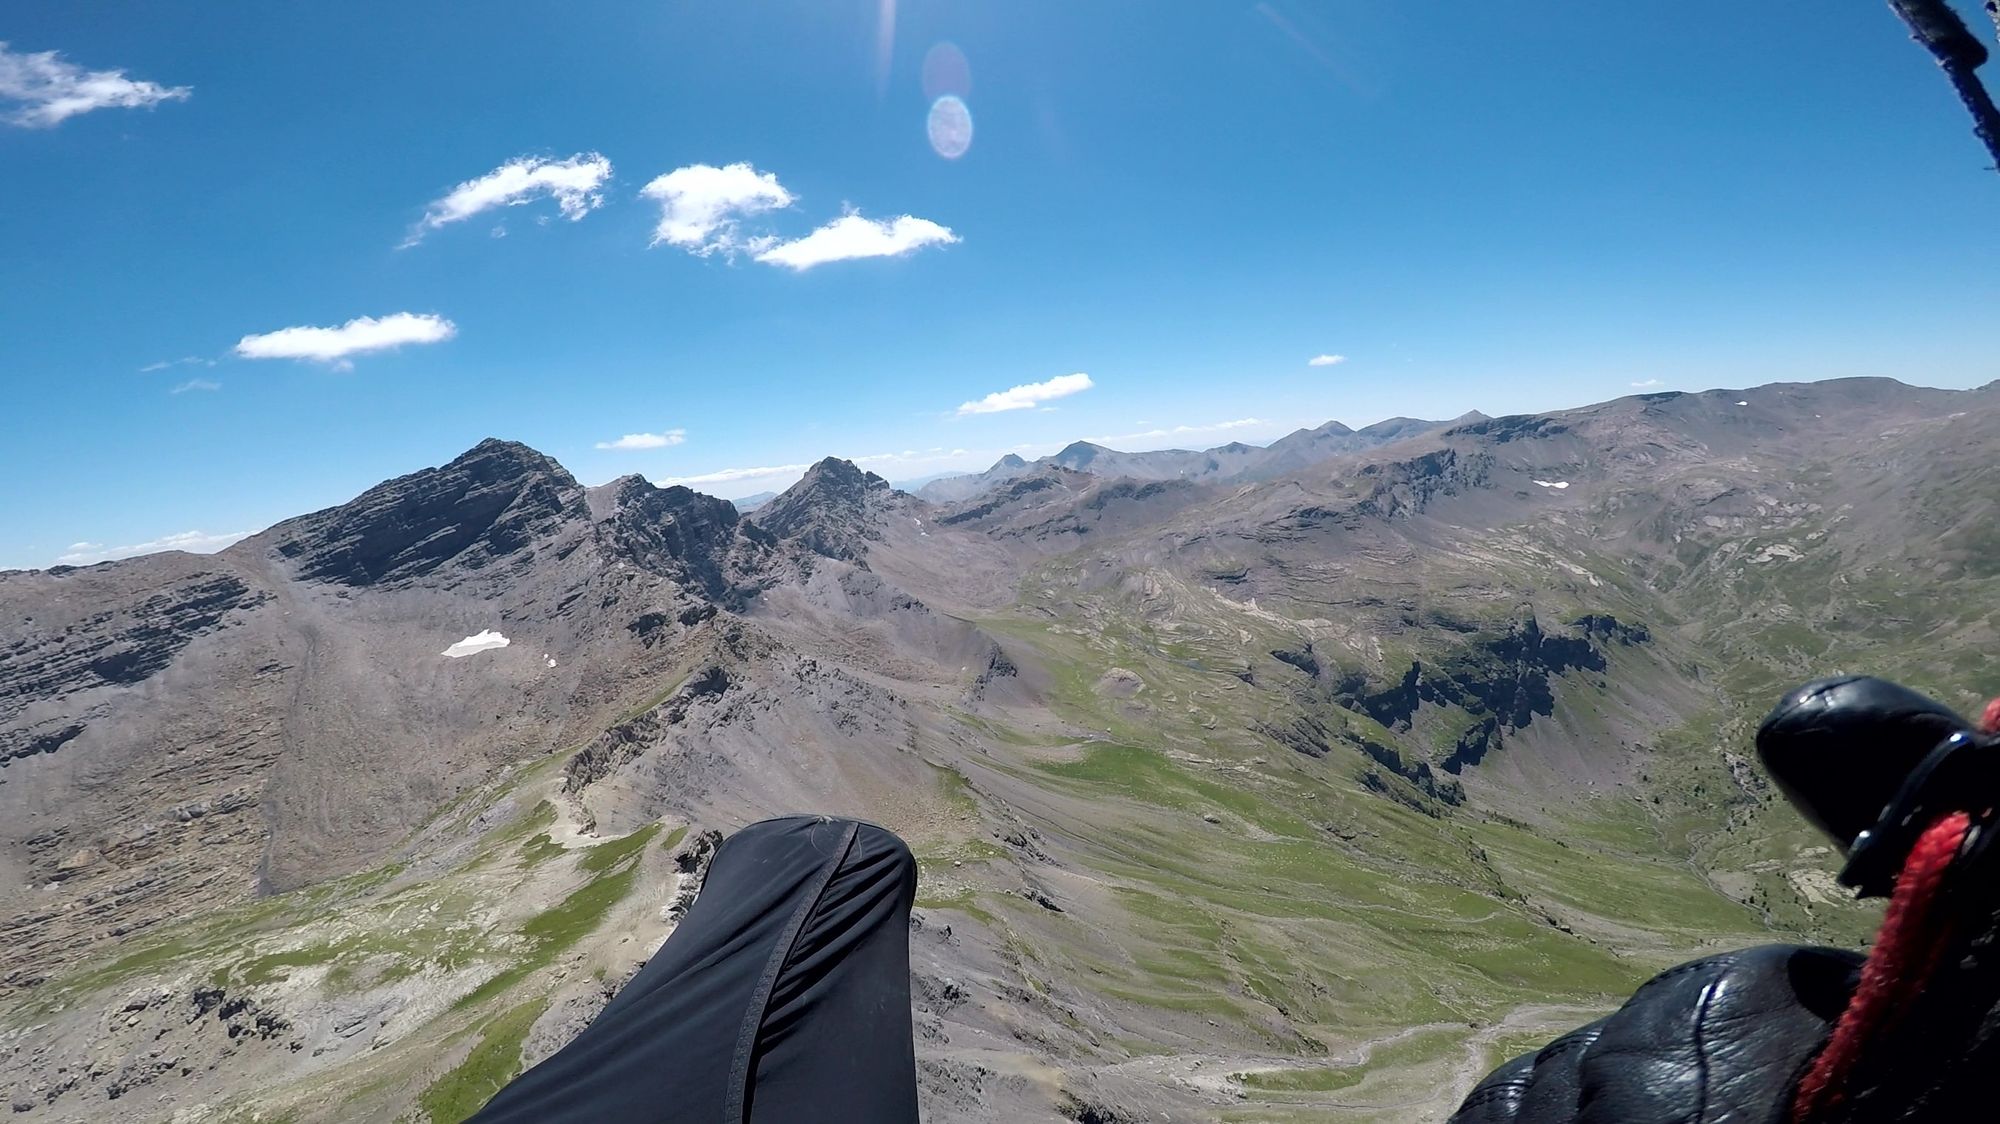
x,y
753,1020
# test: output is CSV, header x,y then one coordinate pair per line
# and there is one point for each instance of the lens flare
x,y
946,72
950,127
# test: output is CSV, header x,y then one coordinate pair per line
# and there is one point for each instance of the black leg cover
x,y
783,996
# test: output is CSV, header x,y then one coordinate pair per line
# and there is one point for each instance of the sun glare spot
x,y
950,127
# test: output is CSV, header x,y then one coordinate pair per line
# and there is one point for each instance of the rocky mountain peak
x,y
494,459
1077,454
833,510
835,476
675,531
1393,429
1011,460
492,501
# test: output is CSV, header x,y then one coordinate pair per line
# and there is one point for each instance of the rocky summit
x,y
1299,783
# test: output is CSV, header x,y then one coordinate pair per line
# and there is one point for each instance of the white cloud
x,y
735,476
194,542
1028,395
45,90
1644,383
1326,360
334,345
701,206
1180,431
573,183
196,384
646,440
851,236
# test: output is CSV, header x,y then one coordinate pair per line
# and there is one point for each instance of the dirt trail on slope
x,y
1216,1078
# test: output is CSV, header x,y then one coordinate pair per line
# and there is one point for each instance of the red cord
x,y
1907,948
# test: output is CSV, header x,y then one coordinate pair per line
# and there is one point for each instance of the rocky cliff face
x,y
176,731
697,541
85,637
497,500
836,510
1501,680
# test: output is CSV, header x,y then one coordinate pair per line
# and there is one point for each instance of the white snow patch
x,y
1556,484
550,658
484,641
1776,551
1743,403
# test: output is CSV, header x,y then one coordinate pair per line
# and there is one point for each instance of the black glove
x,y
1723,1038
1728,1038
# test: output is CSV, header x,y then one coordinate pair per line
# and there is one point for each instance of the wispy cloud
x,y
1644,383
1179,431
194,542
702,206
900,465
1028,395
183,361
196,384
44,89
358,336
1326,360
575,184
851,236
921,458
735,475
646,440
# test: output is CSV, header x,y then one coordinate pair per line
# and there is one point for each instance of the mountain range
x,y
1234,461
1292,784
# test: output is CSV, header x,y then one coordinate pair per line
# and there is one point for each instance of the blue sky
x,y
1500,207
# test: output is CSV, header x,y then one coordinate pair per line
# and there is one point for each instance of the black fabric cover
x,y
783,996
1721,1040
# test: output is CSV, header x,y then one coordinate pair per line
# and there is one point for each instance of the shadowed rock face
x,y
680,534
122,643
835,510
1506,680
490,503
